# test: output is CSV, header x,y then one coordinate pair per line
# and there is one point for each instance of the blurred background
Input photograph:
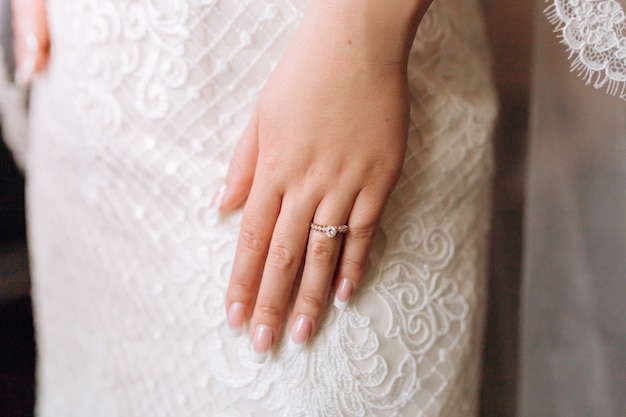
x,y
509,29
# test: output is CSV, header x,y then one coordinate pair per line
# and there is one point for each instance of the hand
x,y
325,144
31,39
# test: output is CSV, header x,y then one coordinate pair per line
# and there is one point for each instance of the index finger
x,y
252,247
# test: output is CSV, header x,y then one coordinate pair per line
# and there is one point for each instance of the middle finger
x,y
284,257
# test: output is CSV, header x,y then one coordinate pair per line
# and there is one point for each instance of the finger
x,y
319,267
362,226
32,43
27,55
42,59
257,224
242,167
283,262
43,35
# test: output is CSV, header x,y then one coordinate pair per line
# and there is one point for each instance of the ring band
x,y
331,231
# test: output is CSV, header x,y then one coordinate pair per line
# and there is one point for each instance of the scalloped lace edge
x,y
602,37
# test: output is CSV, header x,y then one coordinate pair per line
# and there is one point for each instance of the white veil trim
x,y
594,32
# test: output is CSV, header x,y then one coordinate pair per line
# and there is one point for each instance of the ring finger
x,y
321,259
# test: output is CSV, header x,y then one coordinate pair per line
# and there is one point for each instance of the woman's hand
x,y
326,145
31,39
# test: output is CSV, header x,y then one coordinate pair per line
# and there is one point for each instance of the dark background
x,y
509,29
17,350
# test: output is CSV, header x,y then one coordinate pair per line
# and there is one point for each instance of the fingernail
x,y
235,318
26,71
32,43
218,198
24,74
342,296
300,333
261,343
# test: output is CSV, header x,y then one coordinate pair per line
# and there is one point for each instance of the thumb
x,y
242,166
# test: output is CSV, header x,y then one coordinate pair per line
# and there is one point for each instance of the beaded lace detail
x,y
135,124
594,32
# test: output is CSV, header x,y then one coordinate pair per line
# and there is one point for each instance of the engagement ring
x,y
331,231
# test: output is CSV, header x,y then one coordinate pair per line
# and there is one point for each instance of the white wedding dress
x,y
132,129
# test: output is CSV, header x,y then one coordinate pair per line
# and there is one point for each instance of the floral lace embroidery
x,y
594,32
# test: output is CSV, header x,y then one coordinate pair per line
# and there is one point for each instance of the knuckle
x,y
366,233
321,252
250,240
382,171
357,265
311,304
266,312
244,289
281,258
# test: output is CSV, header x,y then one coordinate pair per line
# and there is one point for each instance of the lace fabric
x,y
594,32
132,131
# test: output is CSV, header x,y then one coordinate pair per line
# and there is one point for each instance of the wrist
x,y
379,29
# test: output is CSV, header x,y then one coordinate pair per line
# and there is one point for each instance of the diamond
x,y
331,231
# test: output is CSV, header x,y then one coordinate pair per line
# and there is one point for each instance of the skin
x,y
30,20
326,143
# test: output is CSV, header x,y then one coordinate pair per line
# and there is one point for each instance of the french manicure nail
x,y
235,319
300,333
342,296
26,71
24,74
32,43
218,198
261,343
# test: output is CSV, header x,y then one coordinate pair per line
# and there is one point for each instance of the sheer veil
x,y
573,326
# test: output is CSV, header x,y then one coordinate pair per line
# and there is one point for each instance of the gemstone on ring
x,y
330,231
